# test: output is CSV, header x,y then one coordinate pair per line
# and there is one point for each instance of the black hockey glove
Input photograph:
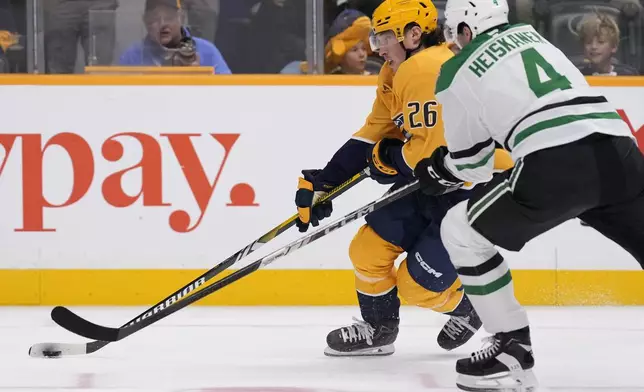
x,y
381,166
308,192
434,177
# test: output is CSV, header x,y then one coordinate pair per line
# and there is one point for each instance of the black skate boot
x,y
504,365
363,339
461,326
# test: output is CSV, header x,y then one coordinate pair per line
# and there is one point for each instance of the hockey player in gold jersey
x,y
403,127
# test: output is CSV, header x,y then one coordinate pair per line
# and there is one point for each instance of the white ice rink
x,y
212,349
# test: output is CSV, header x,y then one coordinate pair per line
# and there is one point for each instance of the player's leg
x,y
427,277
544,189
502,213
375,279
431,282
623,223
621,215
488,283
373,252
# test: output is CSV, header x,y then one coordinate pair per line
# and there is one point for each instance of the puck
x,y
52,354
49,351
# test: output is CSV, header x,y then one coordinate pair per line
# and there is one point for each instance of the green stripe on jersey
x,y
480,163
490,287
487,199
563,120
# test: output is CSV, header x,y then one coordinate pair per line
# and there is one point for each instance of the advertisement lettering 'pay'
x,y
83,173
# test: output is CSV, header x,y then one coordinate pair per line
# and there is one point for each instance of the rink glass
x,y
258,36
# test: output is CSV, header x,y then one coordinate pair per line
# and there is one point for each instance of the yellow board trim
x,y
290,287
172,78
188,80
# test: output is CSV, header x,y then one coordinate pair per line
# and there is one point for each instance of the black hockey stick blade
x,y
40,350
121,333
72,322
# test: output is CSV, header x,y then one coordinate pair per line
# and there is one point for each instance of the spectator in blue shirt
x,y
168,43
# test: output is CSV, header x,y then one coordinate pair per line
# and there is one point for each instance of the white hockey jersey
x,y
511,86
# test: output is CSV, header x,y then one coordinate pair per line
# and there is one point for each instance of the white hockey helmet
x,y
479,15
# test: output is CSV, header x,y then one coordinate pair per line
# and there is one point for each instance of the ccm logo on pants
x,y
426,266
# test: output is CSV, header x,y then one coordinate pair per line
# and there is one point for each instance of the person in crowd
x,y
168,43
347,48
66,23
599,34
277,35
233,32
8,35
202,16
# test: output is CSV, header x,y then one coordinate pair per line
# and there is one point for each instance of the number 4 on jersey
x,y
532,62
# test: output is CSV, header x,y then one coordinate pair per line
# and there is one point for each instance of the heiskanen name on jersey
x,y
504,74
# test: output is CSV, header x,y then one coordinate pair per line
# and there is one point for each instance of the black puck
x,y
48,352
52,354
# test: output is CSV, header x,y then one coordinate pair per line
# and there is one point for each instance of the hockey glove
x,y
308,192
381,167
434,177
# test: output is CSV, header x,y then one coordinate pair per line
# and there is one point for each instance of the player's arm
x,y
347,161
351,158
415,113
471,149
470,152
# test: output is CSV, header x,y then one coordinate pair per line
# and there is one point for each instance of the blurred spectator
x,y
278,35
600,35
8,34
4,62
67,22
17,53
333,8
233,32
202,17
347,48
365,6
168,43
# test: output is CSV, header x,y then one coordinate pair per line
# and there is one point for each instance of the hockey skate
x,y
458,330
504,365
362,339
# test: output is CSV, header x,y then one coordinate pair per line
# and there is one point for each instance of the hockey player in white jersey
x,y
574,157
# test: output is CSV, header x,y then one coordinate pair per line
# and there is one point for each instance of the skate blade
x,y
367,352
524,381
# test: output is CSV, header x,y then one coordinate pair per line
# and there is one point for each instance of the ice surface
x,y
250,349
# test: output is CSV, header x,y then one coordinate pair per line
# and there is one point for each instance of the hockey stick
x,y
76,324
59,349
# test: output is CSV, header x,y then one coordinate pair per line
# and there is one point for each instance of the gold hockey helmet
x,y
395,15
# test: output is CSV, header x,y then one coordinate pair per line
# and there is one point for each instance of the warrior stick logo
x,y
171,301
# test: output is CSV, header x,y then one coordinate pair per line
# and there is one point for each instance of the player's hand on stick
x,y
381,166
434,177
309,191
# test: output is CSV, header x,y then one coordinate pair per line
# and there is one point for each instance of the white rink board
x,y
282,129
